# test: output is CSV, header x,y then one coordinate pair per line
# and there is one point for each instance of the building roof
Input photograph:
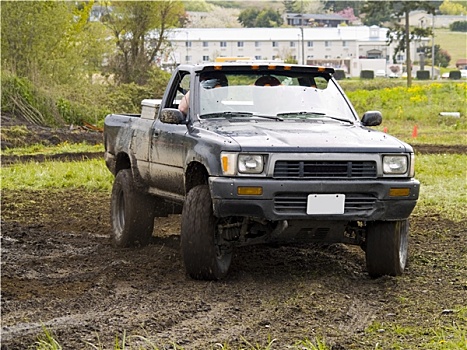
x,y
360,33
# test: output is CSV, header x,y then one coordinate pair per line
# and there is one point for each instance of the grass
x,y
443,188
64,147
449,334
455,43
91,175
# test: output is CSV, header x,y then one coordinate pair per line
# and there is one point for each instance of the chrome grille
x,y
324,169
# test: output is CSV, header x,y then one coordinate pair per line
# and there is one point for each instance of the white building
x,y
352,48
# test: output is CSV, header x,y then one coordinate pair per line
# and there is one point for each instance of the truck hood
x,y
305,136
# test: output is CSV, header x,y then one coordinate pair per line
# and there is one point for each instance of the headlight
x,y
233,163
250,164
396,165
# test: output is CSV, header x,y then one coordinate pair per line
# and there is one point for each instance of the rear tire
x,y
204,257
387,247
132,212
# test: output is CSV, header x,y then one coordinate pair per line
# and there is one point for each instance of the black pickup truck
x,y
256,153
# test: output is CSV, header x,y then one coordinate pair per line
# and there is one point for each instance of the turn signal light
x,y
249,191
399,192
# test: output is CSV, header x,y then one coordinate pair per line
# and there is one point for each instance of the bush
x,y
339,74
455,74
367,74
458,26
423,74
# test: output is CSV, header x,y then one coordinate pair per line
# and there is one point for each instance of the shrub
x,y
455,74
367,74
458,26
339,74
423,74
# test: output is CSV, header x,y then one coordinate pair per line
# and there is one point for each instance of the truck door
x,y
167,150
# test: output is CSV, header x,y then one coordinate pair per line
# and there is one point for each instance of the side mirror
x,y
172,116
372,118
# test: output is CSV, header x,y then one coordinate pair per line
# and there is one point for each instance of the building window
x,y
257,43
206,58
188,58
345,43
257,57
310,43
223,43
327,43
292,44
309,57
275,44
239,43
188,43
205,43
273,57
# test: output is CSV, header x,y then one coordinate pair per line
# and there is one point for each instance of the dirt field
x,y
59,270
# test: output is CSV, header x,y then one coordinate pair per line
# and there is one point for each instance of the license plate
x,y
325,204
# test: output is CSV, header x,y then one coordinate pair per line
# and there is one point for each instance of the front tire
x,y
132,212
204,257
387,247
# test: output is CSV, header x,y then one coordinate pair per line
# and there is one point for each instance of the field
x,y
455,43
65,287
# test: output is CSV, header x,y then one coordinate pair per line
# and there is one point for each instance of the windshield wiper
x,y
231,115
226,115
303,113
317,114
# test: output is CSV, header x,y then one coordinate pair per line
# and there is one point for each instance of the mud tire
x,y
387,247
132,212
204,259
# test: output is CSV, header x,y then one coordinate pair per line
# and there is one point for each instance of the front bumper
x,y
366,200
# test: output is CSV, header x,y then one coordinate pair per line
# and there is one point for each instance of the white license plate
x,y
325,204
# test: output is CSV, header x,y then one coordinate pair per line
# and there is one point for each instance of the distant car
x,y
445,75
463,73
380,73
393,75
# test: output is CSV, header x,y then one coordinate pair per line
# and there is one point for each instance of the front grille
x,y
296,203
324,169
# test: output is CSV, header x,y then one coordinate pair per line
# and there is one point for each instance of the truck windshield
x,y
272,95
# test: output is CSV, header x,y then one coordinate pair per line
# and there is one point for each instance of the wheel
x,y
204,257
387,247
132,212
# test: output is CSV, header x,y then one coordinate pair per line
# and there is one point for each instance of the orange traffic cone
x,y
415,132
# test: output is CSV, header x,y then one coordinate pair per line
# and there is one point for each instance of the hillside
x,y
455,43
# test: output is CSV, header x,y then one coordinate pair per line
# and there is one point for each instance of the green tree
x,y
290,6
401,34
51,40
442,57
248,17
140,31
453,7
267,18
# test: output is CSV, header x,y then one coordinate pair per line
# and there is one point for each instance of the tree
x,y
401,34
248,17
140,31
267,18
442,57
51,40
453,8
290,6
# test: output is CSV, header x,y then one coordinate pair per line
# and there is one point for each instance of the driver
x,y
210,80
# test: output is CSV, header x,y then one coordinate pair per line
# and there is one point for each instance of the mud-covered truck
x,y
259,153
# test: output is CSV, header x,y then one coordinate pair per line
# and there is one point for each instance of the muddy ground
x,y
59,270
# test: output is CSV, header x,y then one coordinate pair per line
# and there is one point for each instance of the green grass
x,y
91,175
447,335
64,147
455,43
443,189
